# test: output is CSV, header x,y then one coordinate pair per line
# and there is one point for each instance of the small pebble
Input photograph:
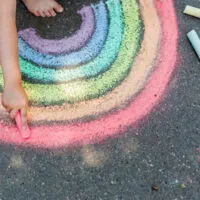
x,y
155,187
182,185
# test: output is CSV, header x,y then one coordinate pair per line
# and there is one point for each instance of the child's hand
x,y
15,99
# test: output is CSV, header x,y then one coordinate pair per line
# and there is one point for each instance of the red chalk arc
x,y
111,124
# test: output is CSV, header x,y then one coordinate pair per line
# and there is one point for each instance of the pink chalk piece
x,y
25,133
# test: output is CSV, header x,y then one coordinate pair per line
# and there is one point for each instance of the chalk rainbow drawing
x,y
84,89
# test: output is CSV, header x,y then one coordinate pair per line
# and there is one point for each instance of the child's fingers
x,y
24,117
13,113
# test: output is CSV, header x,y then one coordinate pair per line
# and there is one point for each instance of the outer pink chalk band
x,y
59,135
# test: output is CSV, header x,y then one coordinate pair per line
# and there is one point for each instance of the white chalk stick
x,y
189,10
195,41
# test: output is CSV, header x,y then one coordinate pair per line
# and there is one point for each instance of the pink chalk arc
x,y
112,124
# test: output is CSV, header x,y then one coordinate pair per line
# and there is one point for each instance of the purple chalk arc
x,y
66,44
